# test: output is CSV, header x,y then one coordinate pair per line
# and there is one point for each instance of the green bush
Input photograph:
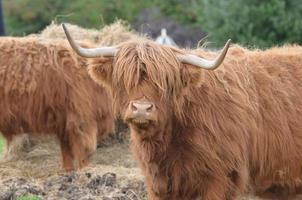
x,y
26,16
252,22
1,144
263,23
29,197
180,10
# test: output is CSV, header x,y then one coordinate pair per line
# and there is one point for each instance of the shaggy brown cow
x,y
44,88
204,134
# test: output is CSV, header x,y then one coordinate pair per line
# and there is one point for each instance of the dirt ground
x,y
112,175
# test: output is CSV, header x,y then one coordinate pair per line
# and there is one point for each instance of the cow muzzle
x,y
140,113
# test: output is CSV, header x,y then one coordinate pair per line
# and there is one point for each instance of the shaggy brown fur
x,y
45,88
218,133
110,34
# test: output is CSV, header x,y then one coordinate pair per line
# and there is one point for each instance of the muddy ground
x,y
112,175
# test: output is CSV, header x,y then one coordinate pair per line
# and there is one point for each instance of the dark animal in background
x,y
45,89
204,134
2,31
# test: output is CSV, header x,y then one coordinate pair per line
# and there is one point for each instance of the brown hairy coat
x,y
45,89
219,133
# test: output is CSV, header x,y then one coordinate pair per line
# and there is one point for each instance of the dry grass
x,y
43,159
30,160
42,162
112,34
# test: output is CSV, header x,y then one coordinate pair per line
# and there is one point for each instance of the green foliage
x,y
1,144
29,197
264,23
180,10
27,16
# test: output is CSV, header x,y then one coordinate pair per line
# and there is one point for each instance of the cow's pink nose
x,y
140,113
141,107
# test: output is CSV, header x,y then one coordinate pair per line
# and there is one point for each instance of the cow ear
x,y
100,70
191,75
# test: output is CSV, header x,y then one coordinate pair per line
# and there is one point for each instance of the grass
x,y
1,144
29,197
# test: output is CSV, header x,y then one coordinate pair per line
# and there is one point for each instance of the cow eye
x,y
143,70
143,66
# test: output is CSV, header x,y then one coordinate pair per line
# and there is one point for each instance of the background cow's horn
x,y
203,63
89,53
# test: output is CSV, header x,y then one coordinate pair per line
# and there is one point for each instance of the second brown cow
x,y
45,89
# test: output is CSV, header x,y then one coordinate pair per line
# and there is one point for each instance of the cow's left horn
x,y
89,53
203,63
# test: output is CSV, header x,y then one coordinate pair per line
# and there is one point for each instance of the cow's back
x,y
278,143
34,86
272,84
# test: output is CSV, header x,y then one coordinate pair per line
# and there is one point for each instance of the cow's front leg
x,y
158,187
82,137
66,154
217,189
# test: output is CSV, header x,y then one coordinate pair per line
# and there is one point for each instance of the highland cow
x,y
200,133
111,34
45,89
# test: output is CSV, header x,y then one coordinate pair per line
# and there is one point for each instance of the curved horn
x,y
203,63
89,53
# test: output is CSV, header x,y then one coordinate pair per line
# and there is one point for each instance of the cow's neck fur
x,y
182,144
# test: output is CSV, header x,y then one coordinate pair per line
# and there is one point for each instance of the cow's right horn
x,y
89,53
204,63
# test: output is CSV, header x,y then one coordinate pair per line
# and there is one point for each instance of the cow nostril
x,y
133,107
149,108
141,107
